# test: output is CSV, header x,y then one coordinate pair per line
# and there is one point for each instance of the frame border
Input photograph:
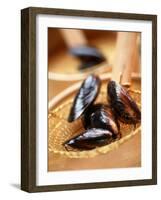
x,y
28,98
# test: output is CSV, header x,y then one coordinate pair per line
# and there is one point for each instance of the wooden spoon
x,y
78,47
73,38
125,57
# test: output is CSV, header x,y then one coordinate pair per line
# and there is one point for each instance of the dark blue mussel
x,y
90,139
88,55
85,97
100,116
123,104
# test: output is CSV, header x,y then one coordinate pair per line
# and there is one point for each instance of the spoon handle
x,y
73,38
124,58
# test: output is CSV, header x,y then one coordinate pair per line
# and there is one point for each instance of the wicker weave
x,y
60,130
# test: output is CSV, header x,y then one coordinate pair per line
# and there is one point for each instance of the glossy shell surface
x,y
100,116
123,104
90,139
85,97
89,56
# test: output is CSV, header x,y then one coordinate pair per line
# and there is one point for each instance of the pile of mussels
x,y
101,121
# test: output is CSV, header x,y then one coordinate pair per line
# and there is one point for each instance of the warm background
x,y
60,61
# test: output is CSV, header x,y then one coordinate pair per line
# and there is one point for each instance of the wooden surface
x,y
129,153
126,46
73,37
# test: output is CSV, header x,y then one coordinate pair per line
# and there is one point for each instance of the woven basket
x,y
59,130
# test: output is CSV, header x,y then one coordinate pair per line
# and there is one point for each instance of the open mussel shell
x,y
90,139
123,104
89,56
100,116
85,97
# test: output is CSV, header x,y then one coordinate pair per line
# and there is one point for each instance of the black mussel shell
x,y
88,55
123,104
100,116
90,139
85,97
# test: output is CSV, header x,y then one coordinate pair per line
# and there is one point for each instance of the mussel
x,y
123,104
100,116
100,120
85,97
90,139
88,55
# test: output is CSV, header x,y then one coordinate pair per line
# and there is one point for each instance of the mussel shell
x,y
85,97
123,104
90,139
100,116
88,55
